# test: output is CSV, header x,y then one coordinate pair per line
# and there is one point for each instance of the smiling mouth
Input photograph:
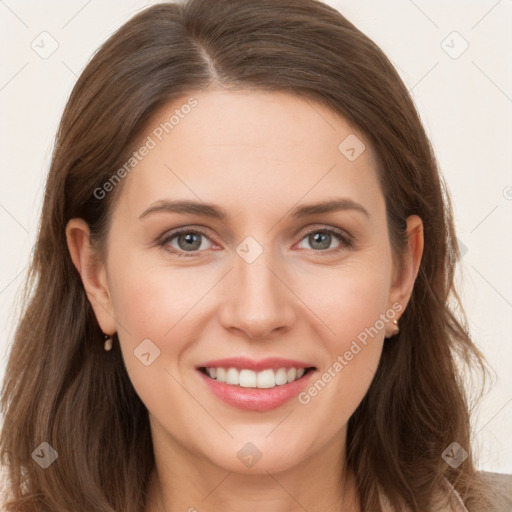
x,y
266,379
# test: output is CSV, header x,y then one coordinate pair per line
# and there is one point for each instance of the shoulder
x,y
447,499
501,486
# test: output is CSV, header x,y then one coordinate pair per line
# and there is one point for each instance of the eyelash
x,y
346,241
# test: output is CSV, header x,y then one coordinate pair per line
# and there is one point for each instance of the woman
x,y
241,281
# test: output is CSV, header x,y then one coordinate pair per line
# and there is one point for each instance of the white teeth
x,y
221,374
247,378
251,379
266,379
233,377
281,377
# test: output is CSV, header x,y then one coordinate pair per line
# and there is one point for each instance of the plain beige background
x,y
454,56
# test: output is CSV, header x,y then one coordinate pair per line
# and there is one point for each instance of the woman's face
x,y
271,279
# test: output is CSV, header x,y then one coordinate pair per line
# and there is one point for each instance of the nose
x,y
260,301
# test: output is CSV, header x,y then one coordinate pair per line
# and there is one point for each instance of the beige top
x,y
446,500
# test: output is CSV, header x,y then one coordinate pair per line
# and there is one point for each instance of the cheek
x,y
348,299
160,304
151,309
352,309
150,300
139,306
351,303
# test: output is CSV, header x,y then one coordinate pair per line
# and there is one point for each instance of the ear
x,y
92,272
403,284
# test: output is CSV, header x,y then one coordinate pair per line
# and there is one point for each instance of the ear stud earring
x,y
108,342
396,330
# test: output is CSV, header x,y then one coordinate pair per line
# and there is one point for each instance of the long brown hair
x,y
60,388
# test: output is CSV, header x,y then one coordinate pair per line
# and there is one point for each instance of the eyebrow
x,y
216,212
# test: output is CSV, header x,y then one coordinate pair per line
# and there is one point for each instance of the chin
x,y
258,457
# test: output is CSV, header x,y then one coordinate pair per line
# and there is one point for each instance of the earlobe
x,y
92,272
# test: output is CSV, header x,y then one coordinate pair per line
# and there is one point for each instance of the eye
x,y
320,240
188,241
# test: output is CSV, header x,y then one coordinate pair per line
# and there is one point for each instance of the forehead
x,y
250,149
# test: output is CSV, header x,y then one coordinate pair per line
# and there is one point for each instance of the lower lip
x,y
256,399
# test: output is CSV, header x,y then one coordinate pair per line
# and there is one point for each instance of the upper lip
x,y
252,364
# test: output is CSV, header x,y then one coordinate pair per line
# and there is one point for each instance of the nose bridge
x,y
256,279
259,301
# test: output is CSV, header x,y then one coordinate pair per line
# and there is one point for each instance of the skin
x,y
257,155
